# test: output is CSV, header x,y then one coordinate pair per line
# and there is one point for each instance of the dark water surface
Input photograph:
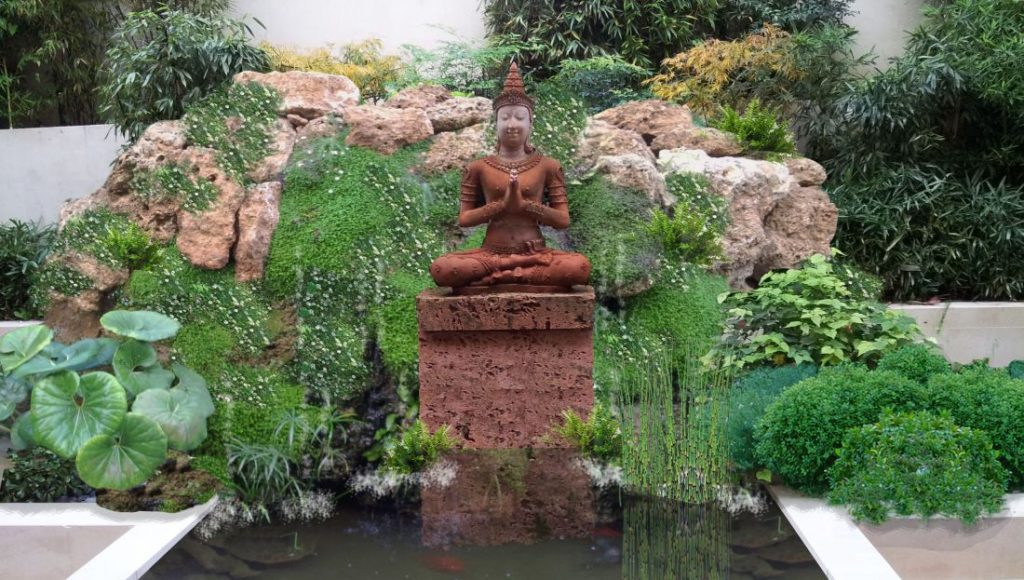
x,y
508,519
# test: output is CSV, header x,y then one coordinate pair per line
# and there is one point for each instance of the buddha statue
x,y
507,191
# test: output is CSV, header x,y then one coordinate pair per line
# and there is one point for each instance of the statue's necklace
x,y
518,167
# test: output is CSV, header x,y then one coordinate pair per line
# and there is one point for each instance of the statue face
x,y
513,125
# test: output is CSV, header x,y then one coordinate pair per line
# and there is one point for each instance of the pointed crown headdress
x,y
513,92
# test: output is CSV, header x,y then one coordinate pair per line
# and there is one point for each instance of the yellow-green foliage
x,y
716,71
362,62
598,436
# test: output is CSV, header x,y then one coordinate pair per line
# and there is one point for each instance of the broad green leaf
x,y
124,458
137,369
22,433
177,413
12,393
68,410
140,324
18,346
193,383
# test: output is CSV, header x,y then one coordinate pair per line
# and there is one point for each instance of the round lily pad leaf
x,y
68,410
137,369
22,433
176,412
124,458
140,324
17,347
195,385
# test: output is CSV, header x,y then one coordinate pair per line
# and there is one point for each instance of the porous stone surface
x,y
257,219
459,112
807,172
635,172
385,129
205,238
712,141
665,125
501,368
455,150
327,126
601,139
76,317
271,168
767,206
421,97
307,94
509,496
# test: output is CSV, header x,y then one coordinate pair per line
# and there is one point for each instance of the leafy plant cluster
x,y
417,448
758,128
599,436
941,418
917,463
40,475
160,60
463,67
172,181
603,82
116,427
376,74
24,247
693,233
807,315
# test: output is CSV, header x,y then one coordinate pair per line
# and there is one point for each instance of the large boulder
x,y
76,317
386,129
271,168
455,150
668,126
307,94
421,97
767,207
205,238
601,138
807,172
257,219
636,172
459,112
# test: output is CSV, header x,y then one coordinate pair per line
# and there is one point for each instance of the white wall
x,y
40,168
882,26
967,331
314,23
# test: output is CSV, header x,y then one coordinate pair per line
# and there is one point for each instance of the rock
x,y
712,141
601,138
385,129
281,143
76,317
455,150
205,239
422,97
668,126
752,188
327,126
257,219
635,172
307,94
807,172
800,225
459,112
296,120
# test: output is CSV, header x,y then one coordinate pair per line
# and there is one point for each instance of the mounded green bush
x,y
750,396
800,431
205,348
397,325
918,362
989,400
609,226
917,463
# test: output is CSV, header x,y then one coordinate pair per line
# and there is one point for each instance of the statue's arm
x,y
469,214
556,213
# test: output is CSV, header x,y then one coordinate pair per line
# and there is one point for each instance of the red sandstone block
x,y
501,368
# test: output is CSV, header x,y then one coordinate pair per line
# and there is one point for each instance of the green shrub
x,y
987,400
599,436
464,67
161,60
603,82
23,248
609,227
693,234
800,431
758,128
417,449
40,475
683,315
807,314
739,16
917,464
748,399
1016,369
917,362
205,348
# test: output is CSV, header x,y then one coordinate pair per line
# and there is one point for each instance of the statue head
x,y
513,112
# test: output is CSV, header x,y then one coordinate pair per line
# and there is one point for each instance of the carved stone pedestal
x,y
500,368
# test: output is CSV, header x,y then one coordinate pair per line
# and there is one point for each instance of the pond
x,y
511,514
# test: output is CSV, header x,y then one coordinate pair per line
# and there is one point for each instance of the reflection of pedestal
x,y
502,496
501,368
